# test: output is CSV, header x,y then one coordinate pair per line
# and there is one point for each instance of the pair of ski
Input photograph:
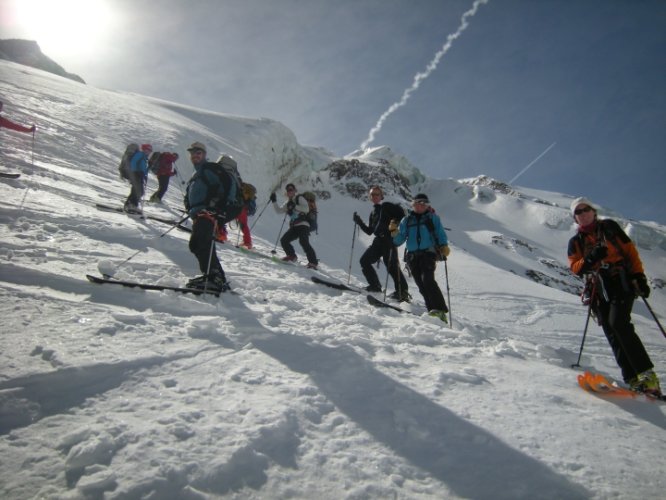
x,y
147,286
371,298
109,208
9,175
598,384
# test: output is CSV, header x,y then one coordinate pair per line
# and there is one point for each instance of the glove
x,y
393,227
273,198
598,253
357,219
33,128
641,285
445,250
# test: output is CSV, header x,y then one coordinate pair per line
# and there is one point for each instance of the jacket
x,y
139,163
198,193
295,208
380,217
414,230
621,250
165,167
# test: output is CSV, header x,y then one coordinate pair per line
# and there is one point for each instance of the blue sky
x,y
587,75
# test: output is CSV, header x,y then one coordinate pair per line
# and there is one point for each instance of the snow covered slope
x,y
290,389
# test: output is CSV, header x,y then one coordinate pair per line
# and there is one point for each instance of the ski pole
x,y
210,254
351,255
260,214
654,316
448,291
582,343
278,237
388,273
107,276
33,148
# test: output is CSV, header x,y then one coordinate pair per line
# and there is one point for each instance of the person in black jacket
x,y
382,246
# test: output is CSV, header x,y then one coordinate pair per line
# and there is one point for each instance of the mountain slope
x,y
290,389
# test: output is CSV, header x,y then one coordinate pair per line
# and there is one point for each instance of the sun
x,y
65,27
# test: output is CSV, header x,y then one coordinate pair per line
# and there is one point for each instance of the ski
x,y
8,175
337,286
170,222
380,303
147,286
598,384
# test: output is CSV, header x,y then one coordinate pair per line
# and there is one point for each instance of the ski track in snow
x,y
289,389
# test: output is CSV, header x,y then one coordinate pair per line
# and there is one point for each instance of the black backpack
x,y
229,205
154,162
124,167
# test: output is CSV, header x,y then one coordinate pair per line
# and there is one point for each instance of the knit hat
x,y
146,147
582,201
197,145
422,198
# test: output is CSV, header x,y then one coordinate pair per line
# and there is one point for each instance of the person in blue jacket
x,y
206,226
427,243
138,175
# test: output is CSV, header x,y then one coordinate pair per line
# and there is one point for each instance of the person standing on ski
x,y
138,173
426,244
603,253
205,223
165,170
382,246
297,208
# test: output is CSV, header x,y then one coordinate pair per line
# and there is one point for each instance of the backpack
x,y
311,216
394,211
154,162
249,191
124,167
230,206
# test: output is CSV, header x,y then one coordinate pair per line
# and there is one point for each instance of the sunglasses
x,y
579,211
197,152
420,202
375,194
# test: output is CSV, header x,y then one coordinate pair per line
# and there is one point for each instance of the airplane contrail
x,y
432,66
532,163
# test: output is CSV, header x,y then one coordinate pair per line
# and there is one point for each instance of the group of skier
x,y
600,251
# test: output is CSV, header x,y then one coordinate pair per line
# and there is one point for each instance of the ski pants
x,y
302,234
163,185
245,228
422,266
137,181
629,352
202,244
383,248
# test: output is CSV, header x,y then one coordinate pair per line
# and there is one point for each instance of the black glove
x,y
598,253
641,285
273,198
357,219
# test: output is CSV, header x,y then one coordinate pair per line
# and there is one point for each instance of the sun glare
x,y
65,27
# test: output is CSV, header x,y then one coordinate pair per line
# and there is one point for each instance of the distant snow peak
x,y
354,178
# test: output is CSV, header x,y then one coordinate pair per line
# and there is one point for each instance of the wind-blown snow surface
x,y
289,389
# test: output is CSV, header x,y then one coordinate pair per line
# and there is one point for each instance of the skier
x,y
297,208
138,173
382,246
426,244
165,170
206,225
603,253
5,123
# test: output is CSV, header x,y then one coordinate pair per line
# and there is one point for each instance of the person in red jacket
x,y
165,171
5,123
603,253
